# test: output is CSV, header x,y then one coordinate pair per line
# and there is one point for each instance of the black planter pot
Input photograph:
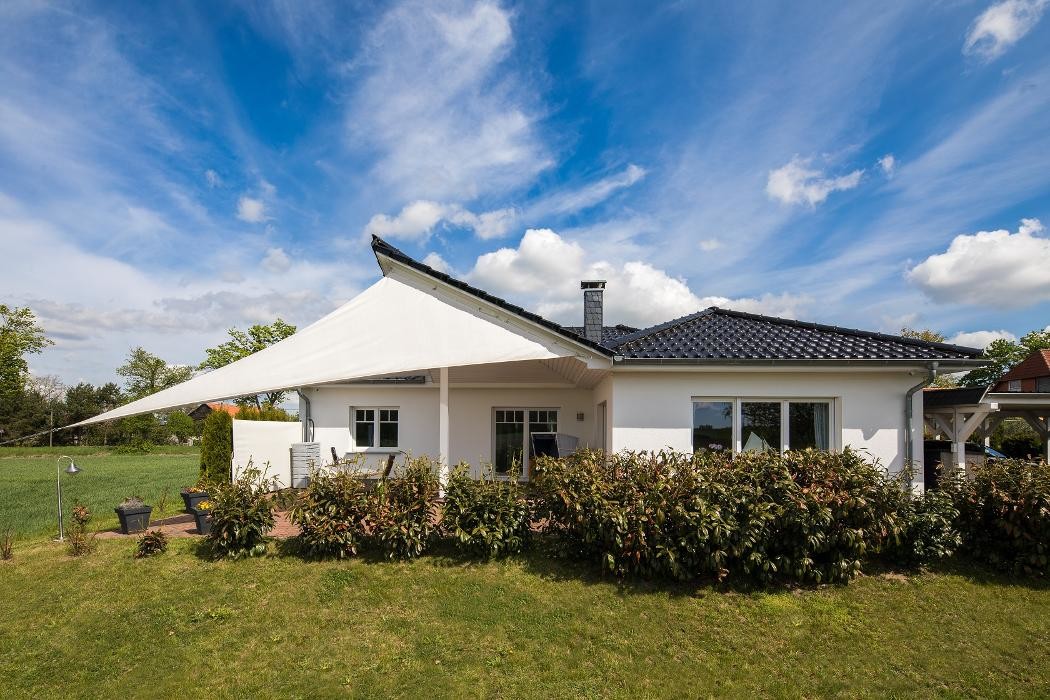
x,y
203,519
134,519
191,499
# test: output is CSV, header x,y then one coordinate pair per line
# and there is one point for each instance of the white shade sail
x,y
391,327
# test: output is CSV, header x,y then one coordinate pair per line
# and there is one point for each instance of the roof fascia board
x,y
468,302
678,365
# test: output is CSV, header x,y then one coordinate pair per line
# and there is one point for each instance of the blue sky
x,y
169,170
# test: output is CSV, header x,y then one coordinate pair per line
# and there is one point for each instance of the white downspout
x,y
909,413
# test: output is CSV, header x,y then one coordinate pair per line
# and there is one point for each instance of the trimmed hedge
x,y
1004,515
808,517
486,517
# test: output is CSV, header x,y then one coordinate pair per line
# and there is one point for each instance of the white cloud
x,y
417,221
798,183
980,339
1001,26
888,163
212,178
437,262
251,210
544,272
709,244
989,268
446,123
588,195
276,260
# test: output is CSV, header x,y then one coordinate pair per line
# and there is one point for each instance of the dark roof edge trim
x,y
384,249
907,362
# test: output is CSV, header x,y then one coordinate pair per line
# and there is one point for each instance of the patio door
x,y
511,443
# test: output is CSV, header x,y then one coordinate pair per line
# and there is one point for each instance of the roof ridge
x,y
851,331
381,247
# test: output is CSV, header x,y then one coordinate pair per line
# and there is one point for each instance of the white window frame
x,y
785,418
526,470
376,449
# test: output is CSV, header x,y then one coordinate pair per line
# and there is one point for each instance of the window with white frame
x,y
761,425
1013,385
512,430
374,427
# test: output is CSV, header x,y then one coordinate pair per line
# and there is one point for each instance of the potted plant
x,y
202,514
192,495
133,514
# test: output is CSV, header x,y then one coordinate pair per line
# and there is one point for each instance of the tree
x,y
1004,355
217,447
180,426
241,345
147,374
942,381
19,336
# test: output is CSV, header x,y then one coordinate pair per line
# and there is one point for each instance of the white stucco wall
x,y
470,416
267,445
653,409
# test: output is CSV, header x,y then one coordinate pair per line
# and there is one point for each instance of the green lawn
x,y
111,626
27,484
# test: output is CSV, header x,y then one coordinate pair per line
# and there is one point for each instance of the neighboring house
x,y
423,363
1031,375
202,411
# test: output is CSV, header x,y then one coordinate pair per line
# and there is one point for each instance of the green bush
x,y
486,517
217,447
399,513
265,412
329,513
927,526
242,514
1004,515
806,516
151,542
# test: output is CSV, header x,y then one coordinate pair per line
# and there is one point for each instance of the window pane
x,y
712,425
364,433
387,434
760,426
809,425
1042,385
363,415
510,438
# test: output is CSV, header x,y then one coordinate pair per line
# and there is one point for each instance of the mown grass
x,y
27,484
111,626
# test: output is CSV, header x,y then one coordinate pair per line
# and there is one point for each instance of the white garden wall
x,y
267,445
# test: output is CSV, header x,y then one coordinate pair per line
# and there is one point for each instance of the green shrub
x,y
151,542
329,513
803,517
217,447
927,526
399,513
80,541
242,514
138,447
265,412
1004,515
486,517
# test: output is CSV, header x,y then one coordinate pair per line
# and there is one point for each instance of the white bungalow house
x,y
423,363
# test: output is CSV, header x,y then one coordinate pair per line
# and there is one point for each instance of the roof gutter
x,y
909,413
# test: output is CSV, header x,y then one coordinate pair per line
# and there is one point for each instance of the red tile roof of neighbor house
x,y
1035,365
227,407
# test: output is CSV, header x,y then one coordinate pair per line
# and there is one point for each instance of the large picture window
x,y
374,427
761,425
512,429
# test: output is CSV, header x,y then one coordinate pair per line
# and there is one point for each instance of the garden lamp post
x,y
71,469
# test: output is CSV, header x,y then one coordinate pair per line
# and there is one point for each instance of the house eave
x,y
944,365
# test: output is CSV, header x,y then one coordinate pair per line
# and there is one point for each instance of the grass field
x,y
111,626
27,484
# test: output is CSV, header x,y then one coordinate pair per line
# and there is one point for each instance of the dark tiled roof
x,y
381,247
720,334
959,396
610,334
